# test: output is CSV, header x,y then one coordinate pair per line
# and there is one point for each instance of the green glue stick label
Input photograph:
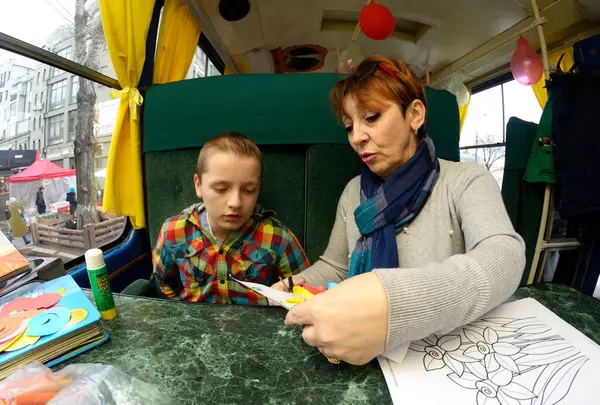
x,y
101,289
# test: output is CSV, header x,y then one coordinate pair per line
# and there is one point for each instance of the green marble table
x,y
218,354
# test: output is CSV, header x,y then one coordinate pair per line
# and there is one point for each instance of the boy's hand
x,y
281,287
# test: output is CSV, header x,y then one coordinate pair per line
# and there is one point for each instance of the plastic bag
x,y
81,384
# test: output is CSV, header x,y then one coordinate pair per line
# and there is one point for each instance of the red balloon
x,y
525,64
376,21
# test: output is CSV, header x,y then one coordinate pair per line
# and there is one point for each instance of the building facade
x,y
16,83
38,104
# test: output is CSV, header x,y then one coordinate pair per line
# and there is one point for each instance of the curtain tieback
x,y
133,97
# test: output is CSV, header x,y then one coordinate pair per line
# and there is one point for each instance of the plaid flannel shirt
x,y
190,263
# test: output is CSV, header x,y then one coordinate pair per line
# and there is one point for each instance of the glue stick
x,y
96,268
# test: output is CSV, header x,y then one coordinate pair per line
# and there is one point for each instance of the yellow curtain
x,y
126,24
177,42
539,88
462,111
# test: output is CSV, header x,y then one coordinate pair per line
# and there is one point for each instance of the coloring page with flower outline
x,y
520,353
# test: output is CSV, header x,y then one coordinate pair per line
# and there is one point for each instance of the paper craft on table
x,y
281,297
520,353
48,322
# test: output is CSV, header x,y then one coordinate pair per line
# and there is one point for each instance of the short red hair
x,y
379,86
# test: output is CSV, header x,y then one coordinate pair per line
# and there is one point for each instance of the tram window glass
x,y
201,66
51,25
53,135
483,135
53,93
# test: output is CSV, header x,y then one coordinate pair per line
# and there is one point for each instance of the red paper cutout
x,y
30,304
47,300
10,325
15,334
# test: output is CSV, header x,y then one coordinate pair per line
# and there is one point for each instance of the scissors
x,y
301,293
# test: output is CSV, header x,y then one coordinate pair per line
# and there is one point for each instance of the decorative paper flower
x,y
488,348
497,389
443,351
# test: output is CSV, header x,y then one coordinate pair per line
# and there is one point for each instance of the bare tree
x,y
89,44
490,155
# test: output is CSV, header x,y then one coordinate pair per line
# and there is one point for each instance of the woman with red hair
x,y
420,245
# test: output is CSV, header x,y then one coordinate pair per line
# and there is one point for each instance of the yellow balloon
x,y
459,90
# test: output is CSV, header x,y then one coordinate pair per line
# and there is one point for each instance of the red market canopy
x,y
41,169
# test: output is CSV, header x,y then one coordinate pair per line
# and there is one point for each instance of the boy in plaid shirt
x,y
227,234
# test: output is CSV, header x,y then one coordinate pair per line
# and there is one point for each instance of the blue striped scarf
x,y
386,207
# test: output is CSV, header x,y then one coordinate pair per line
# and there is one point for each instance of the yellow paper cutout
x,y
21,342
6,345
301,294
62,291
77,315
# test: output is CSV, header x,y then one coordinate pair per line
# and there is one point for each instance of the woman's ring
x,y
333,360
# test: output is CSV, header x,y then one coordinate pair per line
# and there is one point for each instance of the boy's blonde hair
x,y
232,142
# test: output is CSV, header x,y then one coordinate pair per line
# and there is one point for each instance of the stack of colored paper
x,y
12,263
50,323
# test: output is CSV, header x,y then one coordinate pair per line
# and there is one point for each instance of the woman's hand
x,y
281,287
348,322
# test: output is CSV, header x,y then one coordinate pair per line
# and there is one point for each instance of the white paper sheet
x,y
520,353
279,297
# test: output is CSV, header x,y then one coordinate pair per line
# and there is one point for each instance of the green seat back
x,y
307,157
523,200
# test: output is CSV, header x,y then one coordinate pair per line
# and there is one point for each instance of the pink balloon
x,y
525,64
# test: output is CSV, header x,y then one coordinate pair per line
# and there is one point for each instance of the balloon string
x,y
357,28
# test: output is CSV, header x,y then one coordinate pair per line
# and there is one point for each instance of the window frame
x,y
54,87
52,129
74,81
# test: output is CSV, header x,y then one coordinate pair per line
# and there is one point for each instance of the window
x,y
1,95
72,124
30,85
202,65
101,162
34,122
29,107
58,93
52,24
74,89
56,129
483,136
212,70
13,109
65,52
35,102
